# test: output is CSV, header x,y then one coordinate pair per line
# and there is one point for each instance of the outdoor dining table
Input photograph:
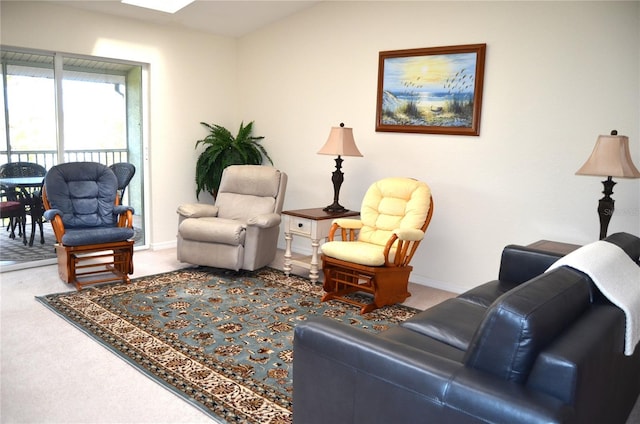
x,y
28,186
21,182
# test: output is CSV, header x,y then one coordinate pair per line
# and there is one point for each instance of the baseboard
x,y
164,245
441,285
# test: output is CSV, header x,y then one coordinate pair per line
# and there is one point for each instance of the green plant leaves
x,y
223,149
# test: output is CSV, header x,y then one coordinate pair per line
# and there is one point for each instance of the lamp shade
x,y
340,143
610,158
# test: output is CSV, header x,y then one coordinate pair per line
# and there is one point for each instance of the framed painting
x,y
434,90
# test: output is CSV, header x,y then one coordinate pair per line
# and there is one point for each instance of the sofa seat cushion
x,y
486,294
452,322
525,320
218,230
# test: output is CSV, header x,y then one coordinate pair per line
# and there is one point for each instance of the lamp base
x,y
337,178
335,208
606,206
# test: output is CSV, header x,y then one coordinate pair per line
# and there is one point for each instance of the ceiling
x,y
228,18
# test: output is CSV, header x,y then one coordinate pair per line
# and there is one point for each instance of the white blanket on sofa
x,y
617,277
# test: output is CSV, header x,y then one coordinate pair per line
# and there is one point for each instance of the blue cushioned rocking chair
x,y
94,235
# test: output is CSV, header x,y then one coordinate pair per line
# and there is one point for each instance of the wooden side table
x,y
554,246
313,224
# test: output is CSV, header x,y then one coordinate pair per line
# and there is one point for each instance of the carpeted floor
x,y
53,373
219,339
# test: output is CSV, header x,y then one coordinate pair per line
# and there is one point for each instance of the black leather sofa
x,y
530,347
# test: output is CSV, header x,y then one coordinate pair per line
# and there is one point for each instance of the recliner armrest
x,y
197,210
266,220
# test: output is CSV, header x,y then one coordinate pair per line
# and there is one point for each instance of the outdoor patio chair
x,y
124,173
31,196
12,208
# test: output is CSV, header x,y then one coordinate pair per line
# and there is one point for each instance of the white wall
x,y
556,75
192,79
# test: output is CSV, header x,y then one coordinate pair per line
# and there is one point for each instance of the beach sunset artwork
x,y
438,92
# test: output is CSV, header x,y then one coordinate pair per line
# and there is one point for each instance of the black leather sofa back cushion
x,y
628,243
521,263
522,322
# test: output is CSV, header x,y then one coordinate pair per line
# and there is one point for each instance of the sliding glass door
x,y
64,108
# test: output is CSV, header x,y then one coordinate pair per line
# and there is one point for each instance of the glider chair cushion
x,y
373,253
240,231
94,235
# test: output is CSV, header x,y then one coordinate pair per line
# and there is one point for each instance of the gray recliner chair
x,y
240,230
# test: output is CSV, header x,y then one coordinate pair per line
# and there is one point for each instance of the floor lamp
x,y
340,143
610,158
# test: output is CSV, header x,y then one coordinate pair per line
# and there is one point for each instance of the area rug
x,y
221,340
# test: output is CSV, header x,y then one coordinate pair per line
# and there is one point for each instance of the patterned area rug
x,y
221,340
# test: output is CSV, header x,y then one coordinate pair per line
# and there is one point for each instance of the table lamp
x,y
340,143
610,158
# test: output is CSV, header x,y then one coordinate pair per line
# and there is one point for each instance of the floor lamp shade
x,y
611,157
340,143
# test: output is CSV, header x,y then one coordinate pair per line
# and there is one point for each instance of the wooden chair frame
x,y
93,263
387,283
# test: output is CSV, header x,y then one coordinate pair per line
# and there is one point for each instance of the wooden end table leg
x,y
313,272
287,254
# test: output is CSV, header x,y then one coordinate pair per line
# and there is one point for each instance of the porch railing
x,y
49,158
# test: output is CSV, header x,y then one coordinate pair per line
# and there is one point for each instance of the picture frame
x,y
436,90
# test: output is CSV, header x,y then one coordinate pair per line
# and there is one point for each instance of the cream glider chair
x,y
239,231
373,252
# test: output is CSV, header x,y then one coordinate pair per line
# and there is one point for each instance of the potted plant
x,y
223,149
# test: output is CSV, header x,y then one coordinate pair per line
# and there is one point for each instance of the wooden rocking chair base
x,y
86,265
388,285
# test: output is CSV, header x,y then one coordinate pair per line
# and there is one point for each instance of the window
x,y
66,108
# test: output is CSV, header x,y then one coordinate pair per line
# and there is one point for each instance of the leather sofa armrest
x,y
520,263
491,400
344,374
